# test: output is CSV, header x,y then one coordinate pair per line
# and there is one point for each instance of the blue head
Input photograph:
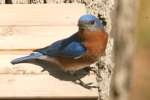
x,y
91,22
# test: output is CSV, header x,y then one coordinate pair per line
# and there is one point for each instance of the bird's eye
x,y
92,22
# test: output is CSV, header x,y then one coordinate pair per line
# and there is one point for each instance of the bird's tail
x,y
34,55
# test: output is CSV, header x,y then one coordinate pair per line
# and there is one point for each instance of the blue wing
x,y
73,49
70,47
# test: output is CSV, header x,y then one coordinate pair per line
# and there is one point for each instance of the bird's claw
x,y
85,85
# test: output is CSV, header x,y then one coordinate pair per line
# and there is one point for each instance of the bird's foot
x,y
80,82
85,85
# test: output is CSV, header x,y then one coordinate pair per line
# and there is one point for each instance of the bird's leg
x,y
85,85
80,82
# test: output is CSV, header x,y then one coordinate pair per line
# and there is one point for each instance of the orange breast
x,y
95,43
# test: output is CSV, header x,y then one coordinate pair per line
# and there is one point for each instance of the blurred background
x,y
141,75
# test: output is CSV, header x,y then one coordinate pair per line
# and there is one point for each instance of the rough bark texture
x,y
123,32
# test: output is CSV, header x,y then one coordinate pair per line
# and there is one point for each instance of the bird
x,y
77,51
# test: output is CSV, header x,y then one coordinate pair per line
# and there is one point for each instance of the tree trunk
x,y
124,21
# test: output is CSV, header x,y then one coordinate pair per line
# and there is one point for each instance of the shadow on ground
x,y
58,73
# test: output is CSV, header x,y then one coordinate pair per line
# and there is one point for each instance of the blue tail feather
x,y
35,55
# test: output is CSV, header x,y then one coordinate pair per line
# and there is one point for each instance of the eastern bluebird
x,y
76,52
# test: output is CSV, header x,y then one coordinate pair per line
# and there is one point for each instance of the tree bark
x,y
124,21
